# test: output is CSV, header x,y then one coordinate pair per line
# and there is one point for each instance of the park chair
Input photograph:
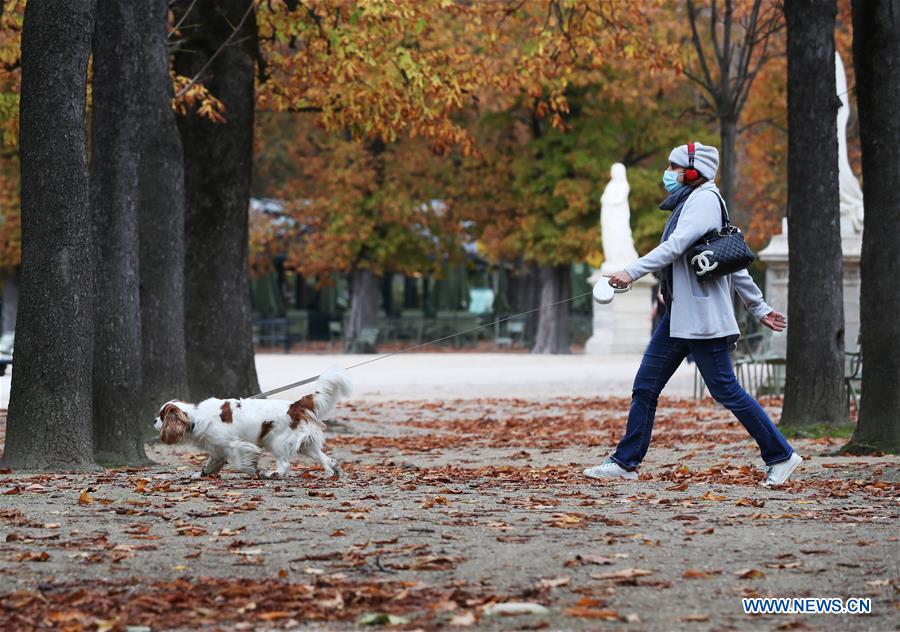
x,y
271,331
759,369
515,331
442,324
464,322
412,324
298,325
335,332
853,376
365,342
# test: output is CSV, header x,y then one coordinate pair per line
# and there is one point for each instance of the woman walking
x,y
699,320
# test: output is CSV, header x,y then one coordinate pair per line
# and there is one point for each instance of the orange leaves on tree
x,y
193,96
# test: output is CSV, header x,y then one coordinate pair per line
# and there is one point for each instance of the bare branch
x,y
750,40
695,37
771,122
212,57
183,18
714,34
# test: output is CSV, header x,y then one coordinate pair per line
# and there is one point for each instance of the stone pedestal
x,y
775,256
623,326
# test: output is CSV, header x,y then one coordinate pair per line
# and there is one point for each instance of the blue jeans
x,y
662,357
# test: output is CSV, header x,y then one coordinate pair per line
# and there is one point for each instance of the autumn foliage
x,y
489,86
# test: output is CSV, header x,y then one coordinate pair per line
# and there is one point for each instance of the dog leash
x,y
309,380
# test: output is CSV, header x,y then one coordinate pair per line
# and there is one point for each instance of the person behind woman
x,y
699,320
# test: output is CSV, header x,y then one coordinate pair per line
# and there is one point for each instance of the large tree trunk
x,y
10,300
161,216
728,167
876,55
553,330
115,156
814,386
363,308
217,168
49,425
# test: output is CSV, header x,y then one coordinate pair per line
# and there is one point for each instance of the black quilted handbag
x,y
720,252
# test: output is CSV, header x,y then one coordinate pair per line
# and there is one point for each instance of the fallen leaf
x,y
625,573
274,615
750,573
592,613
580,560
554,582
85,498
695,617
437,500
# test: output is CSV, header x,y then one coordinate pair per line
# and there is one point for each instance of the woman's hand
x,y
620,280
774,321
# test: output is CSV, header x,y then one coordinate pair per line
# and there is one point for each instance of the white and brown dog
x,y
238,430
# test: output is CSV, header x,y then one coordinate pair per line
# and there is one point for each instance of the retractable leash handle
x,y
603,292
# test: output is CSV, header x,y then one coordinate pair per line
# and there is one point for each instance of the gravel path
x,y
448,507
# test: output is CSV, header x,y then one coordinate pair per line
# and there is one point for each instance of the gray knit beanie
x,y
706,159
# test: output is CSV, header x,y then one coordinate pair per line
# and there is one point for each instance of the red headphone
x,y
691,174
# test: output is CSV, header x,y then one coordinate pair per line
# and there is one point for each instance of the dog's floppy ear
x,y
175,423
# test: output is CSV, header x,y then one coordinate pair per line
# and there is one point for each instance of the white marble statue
x,y
850,191
615,222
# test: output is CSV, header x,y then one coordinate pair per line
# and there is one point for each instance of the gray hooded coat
x,y
699,310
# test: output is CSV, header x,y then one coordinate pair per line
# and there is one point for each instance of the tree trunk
x,y
363,307
387,293
524,296
49,424
814,386
10,300
553,331
217,168
410,293
728,166
876,55
161,216
115,156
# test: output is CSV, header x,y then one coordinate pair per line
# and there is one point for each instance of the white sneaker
x,y
779,473
610,469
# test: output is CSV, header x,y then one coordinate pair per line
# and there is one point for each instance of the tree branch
x,y
212,57
183,18
766,121
692,15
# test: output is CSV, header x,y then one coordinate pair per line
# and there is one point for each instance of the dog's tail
x,y
332,385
